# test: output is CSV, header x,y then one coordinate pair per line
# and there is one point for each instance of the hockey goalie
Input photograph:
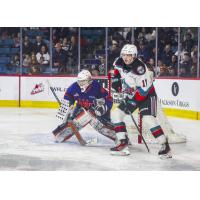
x,y
85,102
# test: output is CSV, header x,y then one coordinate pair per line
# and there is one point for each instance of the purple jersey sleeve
x,y
102,93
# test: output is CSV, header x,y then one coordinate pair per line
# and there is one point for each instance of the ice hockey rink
x,y
26,143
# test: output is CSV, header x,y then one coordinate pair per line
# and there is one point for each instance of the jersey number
x,y
144,83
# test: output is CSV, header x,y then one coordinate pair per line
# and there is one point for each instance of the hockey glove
x,y
100,110
116,81
128,105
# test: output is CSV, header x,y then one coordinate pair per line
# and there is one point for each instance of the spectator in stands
x,y
117,36
102,66
167,55
163,69
43,57
38,44
94,69
65,44
151,35
173,67
141,38
143,51
34,60
194,66
113,53
34,68
27,46
188,42
14,63
185,66
27,61
129,37
72,52
194,51
60,58
17,39
151,66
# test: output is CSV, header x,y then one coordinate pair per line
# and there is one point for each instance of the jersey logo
x,y
140,70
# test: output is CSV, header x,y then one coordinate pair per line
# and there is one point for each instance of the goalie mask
x,y
84,79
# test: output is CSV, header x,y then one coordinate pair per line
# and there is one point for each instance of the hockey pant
x,y
148,111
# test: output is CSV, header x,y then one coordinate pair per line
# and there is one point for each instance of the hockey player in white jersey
x,y
131,77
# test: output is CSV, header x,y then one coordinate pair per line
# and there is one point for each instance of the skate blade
x,y
166,156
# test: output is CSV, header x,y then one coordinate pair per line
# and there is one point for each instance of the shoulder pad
x,y
138,67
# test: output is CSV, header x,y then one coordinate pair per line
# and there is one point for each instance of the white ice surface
x,y
26,143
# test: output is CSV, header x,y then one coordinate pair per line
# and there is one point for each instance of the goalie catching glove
x,y
100,108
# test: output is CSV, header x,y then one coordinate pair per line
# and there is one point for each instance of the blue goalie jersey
x,y
86,99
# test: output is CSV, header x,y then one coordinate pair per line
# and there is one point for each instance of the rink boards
x,y
178,97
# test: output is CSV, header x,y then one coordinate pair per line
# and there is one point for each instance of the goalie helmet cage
x,y
173,137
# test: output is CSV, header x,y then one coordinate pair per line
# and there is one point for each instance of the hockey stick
x,y
54,94
72,126
139,131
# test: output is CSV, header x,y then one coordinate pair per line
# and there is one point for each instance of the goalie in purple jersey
x,y
88,94
86,102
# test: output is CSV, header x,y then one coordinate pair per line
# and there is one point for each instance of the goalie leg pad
x,y
102,128
68,129
62,133
64,111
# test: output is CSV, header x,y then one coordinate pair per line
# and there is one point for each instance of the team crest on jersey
x,y
140,70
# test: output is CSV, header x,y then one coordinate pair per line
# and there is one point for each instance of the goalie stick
x,y
76,132
53,92
71,125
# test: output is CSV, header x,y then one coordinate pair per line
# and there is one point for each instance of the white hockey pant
x,y
117,117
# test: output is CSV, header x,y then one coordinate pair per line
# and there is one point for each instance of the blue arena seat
x,y
7,42
5,50
2,69
34,33
14,50
4,60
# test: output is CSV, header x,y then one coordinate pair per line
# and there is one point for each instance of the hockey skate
x,y
165,151
121,149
